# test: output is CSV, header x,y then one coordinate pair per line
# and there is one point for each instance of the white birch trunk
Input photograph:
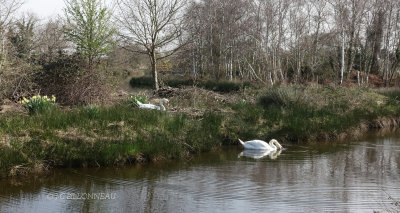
x,y
342,57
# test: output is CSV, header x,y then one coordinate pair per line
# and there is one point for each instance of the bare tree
x,y
22,36
7,10
357,10
341,14
51,40
155,25
279,40
317,18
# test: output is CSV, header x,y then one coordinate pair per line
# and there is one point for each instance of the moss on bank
x,y
120,135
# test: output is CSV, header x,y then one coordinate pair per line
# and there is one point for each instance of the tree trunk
x,y
153,60
350,53
90,62
387,43
231,64
3,51
342,58
194,72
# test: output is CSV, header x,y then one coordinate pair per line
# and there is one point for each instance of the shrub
x,y
72,83
141,82
239,105
16,80
91,111
223,86
284,96
38,104
134,99
179,82
217,86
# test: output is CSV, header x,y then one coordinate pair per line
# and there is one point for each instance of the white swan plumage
x,y
273,145
260,153
152,106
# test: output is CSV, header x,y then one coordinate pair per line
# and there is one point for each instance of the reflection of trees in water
x,y
149,197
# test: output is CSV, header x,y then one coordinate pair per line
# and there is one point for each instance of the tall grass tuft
x,y
284,96
91,111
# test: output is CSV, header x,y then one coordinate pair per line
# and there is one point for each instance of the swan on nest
x,y
152,106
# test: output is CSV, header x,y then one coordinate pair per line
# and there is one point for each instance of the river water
x,y
341,177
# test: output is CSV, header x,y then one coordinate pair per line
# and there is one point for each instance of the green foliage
x,y
239,105
91,111
89,27
133,100
38,104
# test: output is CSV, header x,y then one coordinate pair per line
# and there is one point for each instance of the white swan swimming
x,y
260,153
152,106
259,144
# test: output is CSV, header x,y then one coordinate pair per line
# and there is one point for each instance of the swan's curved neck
x,y
273,145
162,107
278,145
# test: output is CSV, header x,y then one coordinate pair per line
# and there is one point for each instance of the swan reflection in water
x,y
260,153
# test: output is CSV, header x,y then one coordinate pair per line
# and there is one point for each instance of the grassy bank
x,y
119,134
300,114
112,136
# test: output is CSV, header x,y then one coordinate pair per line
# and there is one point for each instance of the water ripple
x,y
354,177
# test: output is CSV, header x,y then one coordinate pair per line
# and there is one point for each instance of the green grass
x,y
393,94
307,114
117,135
